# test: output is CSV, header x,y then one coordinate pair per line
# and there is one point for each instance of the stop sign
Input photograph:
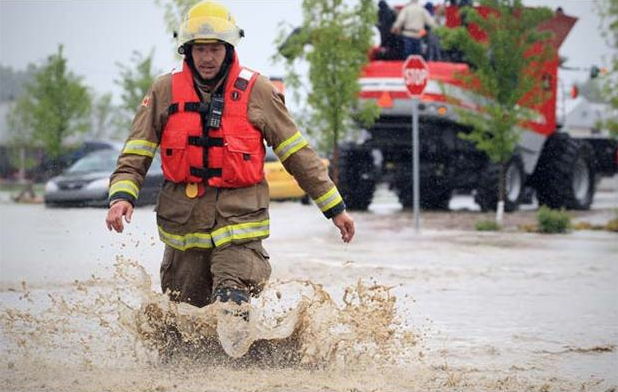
x,y
415,74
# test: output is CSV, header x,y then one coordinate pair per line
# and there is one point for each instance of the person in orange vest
x,y
209,119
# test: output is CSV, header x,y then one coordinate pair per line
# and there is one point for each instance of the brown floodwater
x,y
447,309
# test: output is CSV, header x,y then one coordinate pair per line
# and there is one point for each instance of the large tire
x,y
565,174
487,189
435,193
357,176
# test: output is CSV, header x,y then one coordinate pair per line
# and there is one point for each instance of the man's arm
x,y
398,25
135,158
267,112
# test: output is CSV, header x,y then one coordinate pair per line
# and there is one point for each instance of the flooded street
x,y
479,311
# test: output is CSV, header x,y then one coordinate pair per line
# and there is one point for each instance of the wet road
x,y
511,309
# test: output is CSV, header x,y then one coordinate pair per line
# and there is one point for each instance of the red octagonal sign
x,y
415,74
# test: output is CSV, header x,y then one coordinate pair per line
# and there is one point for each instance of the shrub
x,y
487,225
553,221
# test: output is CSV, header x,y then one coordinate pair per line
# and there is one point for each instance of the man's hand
x,y
345,223
115,214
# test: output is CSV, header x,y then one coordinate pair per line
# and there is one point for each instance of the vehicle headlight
x,y
100,184
51,186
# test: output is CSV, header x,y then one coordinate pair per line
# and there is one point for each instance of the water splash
x,y
296,322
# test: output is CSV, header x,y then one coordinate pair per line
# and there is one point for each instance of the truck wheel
x,y
436,199
487,190
566,174
435,195
357,176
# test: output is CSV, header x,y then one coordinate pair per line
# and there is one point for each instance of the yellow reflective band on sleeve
x,y
249,230
140,147
124,186
328,200
290,146
186,241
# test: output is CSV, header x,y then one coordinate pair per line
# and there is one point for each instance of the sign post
x,y
415,77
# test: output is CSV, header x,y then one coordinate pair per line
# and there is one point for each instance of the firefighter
x,y
210,119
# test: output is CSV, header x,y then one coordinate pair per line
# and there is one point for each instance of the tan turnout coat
x,y
221,216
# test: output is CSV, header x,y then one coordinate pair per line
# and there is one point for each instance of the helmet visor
x,y
208,28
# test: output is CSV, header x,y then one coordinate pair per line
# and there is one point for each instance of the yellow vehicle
x,y
281,183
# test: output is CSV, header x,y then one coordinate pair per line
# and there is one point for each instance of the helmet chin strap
x,y
229,58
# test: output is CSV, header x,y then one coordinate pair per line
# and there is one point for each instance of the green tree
x,y
504,76
608,9
334,40
54,106
135,80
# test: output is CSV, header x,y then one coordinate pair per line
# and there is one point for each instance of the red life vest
x,y
212,142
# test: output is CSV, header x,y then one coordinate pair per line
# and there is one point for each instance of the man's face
x,y
208,58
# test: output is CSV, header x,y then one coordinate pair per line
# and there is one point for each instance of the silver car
x,y
86,182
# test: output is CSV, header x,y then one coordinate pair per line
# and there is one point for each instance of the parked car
x,y
49,167
86,182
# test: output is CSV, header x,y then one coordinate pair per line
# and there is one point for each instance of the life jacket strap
x,y
205,173
206,142
198,107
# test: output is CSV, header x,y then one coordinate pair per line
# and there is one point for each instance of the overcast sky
x,y
97,34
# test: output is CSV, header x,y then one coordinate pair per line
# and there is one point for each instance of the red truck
x,y
560,169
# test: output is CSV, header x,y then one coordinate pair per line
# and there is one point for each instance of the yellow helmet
x,y
207,22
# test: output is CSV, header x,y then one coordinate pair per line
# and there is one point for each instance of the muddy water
x,y
444,310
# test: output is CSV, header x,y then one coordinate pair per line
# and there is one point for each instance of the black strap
x,y
205,173
206,142
172,109
199,107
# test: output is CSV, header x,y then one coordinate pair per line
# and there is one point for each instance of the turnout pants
x,y
192,275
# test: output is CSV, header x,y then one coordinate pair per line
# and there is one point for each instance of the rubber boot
x,y
233,324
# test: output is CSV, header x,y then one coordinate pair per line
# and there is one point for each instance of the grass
x,y
612,226
487,225
553,221
15,186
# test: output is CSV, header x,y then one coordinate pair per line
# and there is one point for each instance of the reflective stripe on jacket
x,y
241,232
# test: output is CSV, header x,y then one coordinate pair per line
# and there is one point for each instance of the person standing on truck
x,y
410,23
210,119
432,50
389,42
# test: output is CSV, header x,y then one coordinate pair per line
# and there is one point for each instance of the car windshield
x,y
99,161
